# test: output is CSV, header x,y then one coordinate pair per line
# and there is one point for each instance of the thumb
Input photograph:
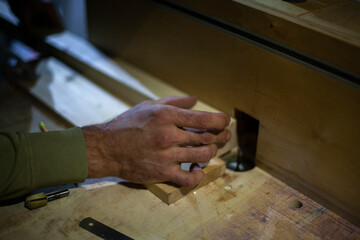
x,y
181,102
188,179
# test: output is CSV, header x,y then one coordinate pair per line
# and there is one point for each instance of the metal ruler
x,y
101,230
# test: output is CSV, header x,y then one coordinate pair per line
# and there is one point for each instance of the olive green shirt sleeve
x,y
36,160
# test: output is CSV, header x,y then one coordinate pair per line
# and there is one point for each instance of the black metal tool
x,y
101,230
247,129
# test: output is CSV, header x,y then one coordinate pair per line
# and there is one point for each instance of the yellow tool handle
x,y
36,201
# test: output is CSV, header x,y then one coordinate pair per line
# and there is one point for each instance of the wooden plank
x,y
298,25
83,57
340,18
288,8
251,205
170,193
308,121
72,96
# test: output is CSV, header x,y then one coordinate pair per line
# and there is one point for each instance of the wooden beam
x,y
326,30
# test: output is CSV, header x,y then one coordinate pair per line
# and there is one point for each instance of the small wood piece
x,y
170,193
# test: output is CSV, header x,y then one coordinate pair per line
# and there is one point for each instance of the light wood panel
x,y
72,96
327,30
308,121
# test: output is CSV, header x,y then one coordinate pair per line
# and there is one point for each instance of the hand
x,y
147,143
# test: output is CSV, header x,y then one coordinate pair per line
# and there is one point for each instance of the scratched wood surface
x,y
256,207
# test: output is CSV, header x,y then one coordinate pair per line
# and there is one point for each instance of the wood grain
x,y
327,30
72,96
308,120
256,207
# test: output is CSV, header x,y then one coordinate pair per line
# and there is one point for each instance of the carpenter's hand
x,y
147,143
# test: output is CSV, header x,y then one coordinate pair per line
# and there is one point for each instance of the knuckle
x,y
162,113
162,157
163,139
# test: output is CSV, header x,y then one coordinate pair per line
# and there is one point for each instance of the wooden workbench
x,y
257,207
249,205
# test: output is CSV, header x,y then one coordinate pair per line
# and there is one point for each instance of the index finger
x,y
200,119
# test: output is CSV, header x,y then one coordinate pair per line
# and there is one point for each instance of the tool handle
x,y
36,200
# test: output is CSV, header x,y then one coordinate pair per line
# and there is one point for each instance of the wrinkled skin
x,y
147,143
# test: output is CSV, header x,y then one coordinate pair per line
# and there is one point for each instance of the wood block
x,y
170,193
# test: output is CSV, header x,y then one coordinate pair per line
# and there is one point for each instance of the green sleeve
x,y
36,160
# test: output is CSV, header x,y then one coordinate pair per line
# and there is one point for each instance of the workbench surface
x,y
250,205
257,206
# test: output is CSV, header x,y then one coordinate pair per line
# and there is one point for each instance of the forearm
x,y
31,161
